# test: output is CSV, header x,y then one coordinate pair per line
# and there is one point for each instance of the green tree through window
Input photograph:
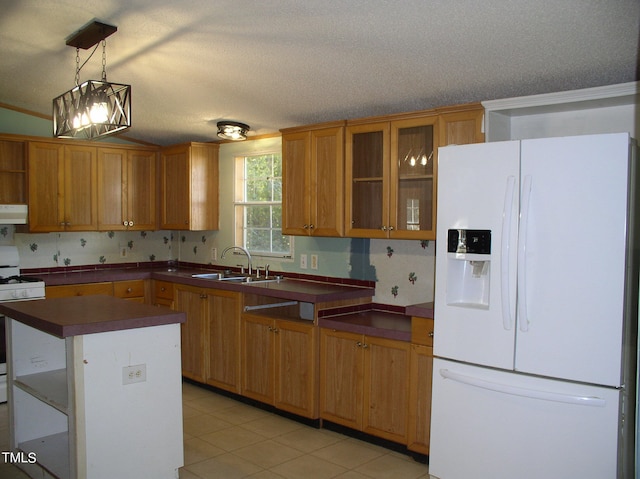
x,y
259,205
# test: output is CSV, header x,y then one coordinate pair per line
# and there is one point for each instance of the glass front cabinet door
x,y
390,179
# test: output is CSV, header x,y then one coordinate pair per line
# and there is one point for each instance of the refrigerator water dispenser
x,y
468,264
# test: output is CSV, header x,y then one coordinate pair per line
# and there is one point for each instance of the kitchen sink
x,y
234,278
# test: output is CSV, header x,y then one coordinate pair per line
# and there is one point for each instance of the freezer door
x,y
572,257
488,424
475,310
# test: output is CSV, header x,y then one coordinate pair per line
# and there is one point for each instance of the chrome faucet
x,y
245,251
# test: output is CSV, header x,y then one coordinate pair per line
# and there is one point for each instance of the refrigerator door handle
x,y
593,401
523,319
505,266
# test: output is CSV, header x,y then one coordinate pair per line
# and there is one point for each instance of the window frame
x,y
240,202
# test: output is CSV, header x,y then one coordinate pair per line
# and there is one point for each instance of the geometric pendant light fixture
x,y
93,109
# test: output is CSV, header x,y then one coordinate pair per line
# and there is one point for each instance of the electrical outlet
x,y
214,254
303,261
314,261
134,374
123,250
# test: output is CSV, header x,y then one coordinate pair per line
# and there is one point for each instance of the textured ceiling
x,y
276,64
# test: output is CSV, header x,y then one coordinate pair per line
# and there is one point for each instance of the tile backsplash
x,y
403,269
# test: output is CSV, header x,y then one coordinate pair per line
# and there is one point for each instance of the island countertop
x,y
78,315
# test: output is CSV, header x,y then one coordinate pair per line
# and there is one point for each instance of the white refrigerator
x,y
535,338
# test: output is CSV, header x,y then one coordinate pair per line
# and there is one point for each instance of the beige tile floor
x,y
227,439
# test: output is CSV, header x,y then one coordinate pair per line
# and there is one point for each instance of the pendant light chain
x,y
77,66
104,60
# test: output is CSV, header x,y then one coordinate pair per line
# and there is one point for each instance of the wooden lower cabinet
x,y
279,363
133,290
163,294
223,340
364,383
211,335
191,301
421,370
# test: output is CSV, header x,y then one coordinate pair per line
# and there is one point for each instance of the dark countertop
x,y
422,310
78,315
290,289
382,324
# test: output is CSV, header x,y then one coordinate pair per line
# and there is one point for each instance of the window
x,y
258,205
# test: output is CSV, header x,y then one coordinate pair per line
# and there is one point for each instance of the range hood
x,y
13,214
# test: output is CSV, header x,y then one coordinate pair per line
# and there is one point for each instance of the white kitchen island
x,y
94,386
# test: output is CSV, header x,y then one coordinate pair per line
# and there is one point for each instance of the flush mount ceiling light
x,y
232,130
94,108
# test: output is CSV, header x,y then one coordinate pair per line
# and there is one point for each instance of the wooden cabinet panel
x,y
279,363
111,189
46,187
84,289
126,189
462,127
191,301
327,182
386,388
133,290
296,378
367,180
80,188
13,172
141,190
62,188
224,339
189,187
258,360
420,376
341,378
296,194
364,383
422,331
313,180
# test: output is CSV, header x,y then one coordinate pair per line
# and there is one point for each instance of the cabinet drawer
x,y
422,331
163,289
129,289
78,290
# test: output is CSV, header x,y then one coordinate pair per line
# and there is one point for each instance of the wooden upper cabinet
x,y
462,127
391,169
62,187
13,172
126,189
189,187
391,178
313,180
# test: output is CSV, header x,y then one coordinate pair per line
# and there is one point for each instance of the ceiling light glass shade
x,y
91,110
231,130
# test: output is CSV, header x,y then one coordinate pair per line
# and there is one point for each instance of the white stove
x,y
13,287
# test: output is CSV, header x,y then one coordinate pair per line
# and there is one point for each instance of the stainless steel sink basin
x,y
234,278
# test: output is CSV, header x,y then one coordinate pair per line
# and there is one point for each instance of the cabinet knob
x,y
383,228
203,296
130,223
305,227
390,228
125,223
129,290
431,334
311,226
